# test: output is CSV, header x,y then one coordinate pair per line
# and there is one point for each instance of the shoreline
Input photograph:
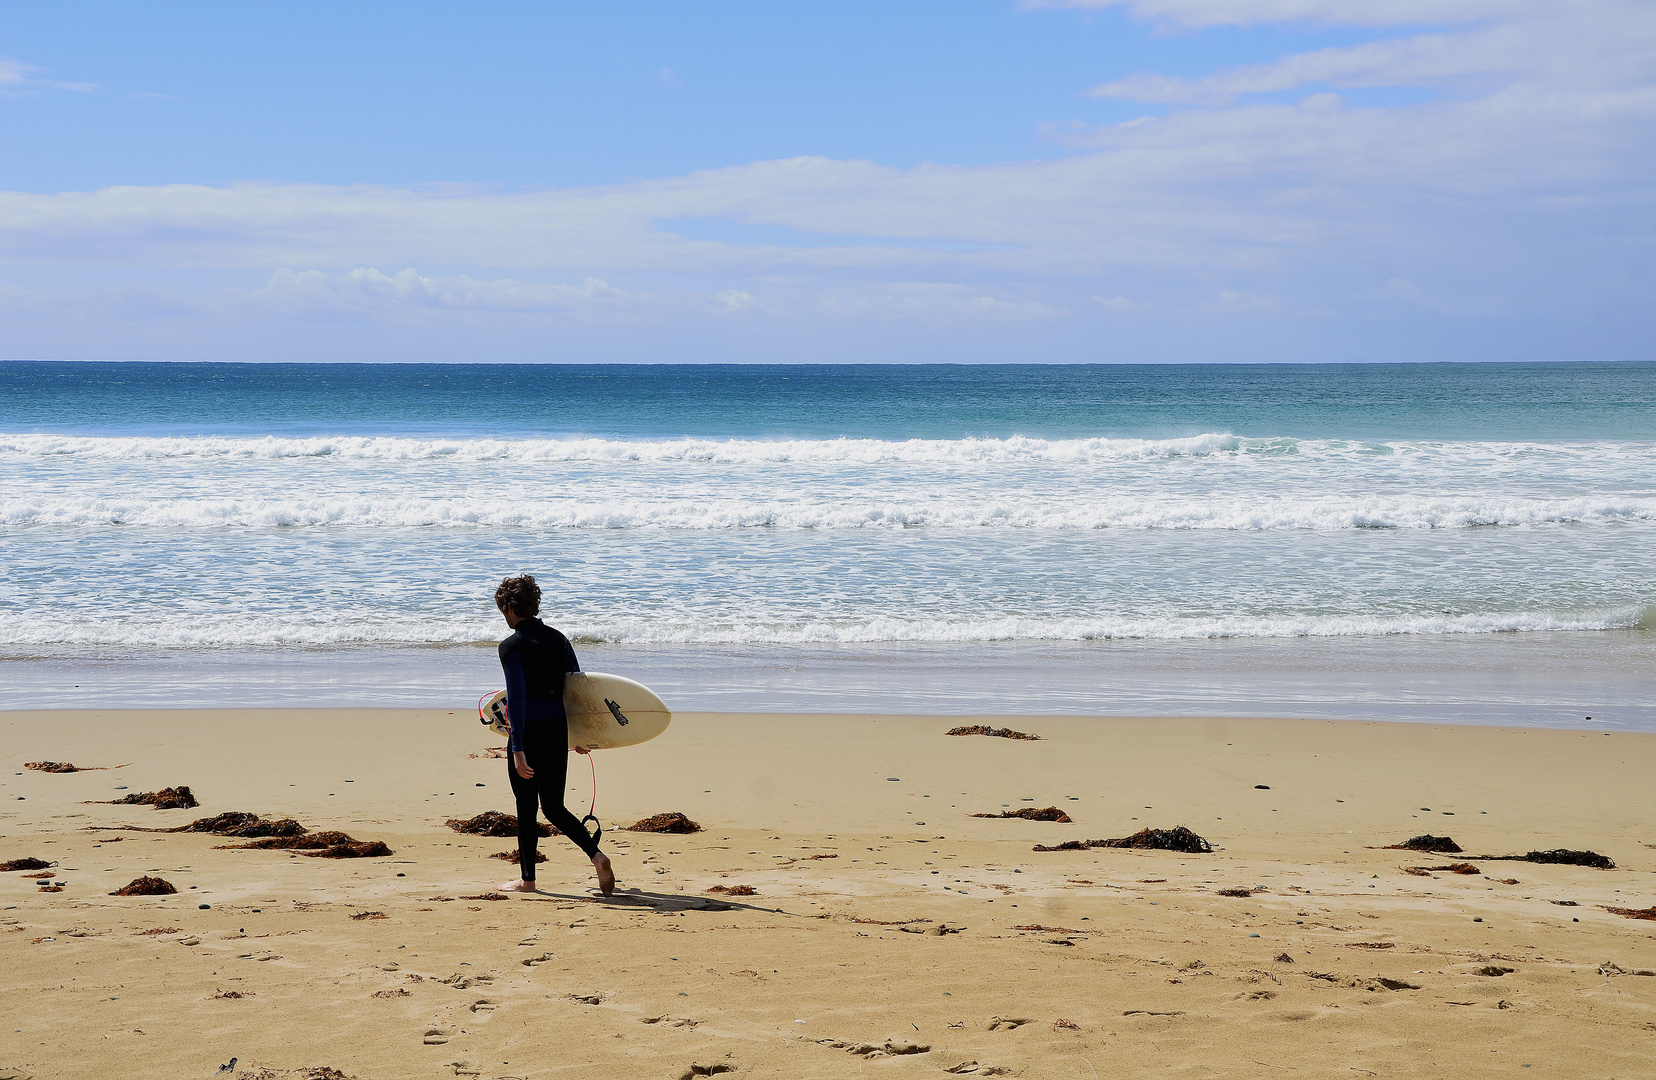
x,y
1550,679
853,833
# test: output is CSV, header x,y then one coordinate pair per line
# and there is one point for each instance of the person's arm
x,y
570,664
517,701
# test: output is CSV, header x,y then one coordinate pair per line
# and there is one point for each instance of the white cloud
x,y
935,302
16,78
368,289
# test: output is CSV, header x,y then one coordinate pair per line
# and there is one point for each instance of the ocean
x,y
1462,542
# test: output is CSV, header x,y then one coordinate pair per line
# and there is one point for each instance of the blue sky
x,y
1149,180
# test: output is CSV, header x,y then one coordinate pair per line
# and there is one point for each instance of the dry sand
x,y
850,830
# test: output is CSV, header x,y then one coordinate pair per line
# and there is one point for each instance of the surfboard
x,y
605,711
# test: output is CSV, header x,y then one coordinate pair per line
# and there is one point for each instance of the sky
x,y
966,181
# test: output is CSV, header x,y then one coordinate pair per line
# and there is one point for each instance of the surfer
x,y
535,658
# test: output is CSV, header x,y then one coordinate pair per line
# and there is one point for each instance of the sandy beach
x,y
855,836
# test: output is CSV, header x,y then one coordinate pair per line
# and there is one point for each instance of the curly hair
x,y
521,594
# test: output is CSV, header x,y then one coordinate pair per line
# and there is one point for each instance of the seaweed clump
x,y
328,844
514,856
241,823
178,798
1427,842
494,823
1177,839
146,886
1632,913
52,766
1030,813
671,822
733,890
1566,857
26,864
995,732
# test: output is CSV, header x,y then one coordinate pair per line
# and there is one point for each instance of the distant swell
x,y
204,631
613,451
1243,512
829,452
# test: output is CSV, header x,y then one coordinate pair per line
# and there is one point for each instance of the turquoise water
x,y
1410,541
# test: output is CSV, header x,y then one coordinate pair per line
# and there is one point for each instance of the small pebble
x,y
204,907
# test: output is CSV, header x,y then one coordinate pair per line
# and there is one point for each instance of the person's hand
x,y
520,762
582,750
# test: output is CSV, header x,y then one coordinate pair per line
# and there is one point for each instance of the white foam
x,y
852,510
712,451
193,630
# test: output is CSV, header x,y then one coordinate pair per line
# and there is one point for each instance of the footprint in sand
x,y
706,1070
484,1005
588,999
259,956
533,960
889,1048
671,1021
466,982
972,1068
190,940
1007,1023
462,1068
437,1036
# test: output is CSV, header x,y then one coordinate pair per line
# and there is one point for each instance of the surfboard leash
x,y
592,807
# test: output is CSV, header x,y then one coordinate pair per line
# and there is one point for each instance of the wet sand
x,y
852,832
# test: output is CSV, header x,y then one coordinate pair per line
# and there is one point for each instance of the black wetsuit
x,y
535,658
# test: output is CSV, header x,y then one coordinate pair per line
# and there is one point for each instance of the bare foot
x,y
516,886
606,876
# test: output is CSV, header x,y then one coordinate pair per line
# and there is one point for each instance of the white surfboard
x,y
605,711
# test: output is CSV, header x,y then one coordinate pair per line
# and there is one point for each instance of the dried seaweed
x,y
1029,813
1427,842
1235,892
239,823
670,822
733,890
178,798
514,856
1566,857
994,732
146,886
1555,856
328,844
1176,839
352,849
1452,868
52,766
26,864
1634,913
309,841
494,823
